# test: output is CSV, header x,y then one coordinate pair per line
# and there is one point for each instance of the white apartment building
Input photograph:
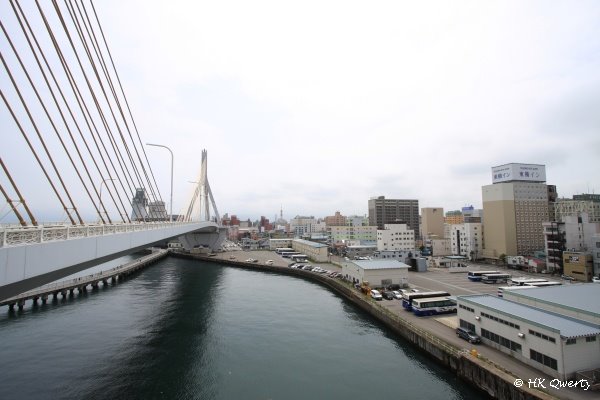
x,y
357,220
466,240
576,232
300,226
395,237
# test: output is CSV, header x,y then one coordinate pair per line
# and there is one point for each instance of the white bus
x,y
541,284
433,305
523,281
476,276
299,258
502,289
408,298
495,278
289,254
280,250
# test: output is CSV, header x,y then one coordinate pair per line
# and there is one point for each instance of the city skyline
x,y
323,106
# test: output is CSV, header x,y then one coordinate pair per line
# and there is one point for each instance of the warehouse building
x,y
317,252
581,301
379,273
556,344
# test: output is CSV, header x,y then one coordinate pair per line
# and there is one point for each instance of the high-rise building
x,y
384,211
432,221
514,207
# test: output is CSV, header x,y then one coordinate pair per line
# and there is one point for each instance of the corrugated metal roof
x,y
309,243
567,327
380,264
583,297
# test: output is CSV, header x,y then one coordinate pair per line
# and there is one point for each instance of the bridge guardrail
x,y
15,236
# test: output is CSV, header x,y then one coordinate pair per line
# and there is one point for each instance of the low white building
x,y
342,234
376,272
396,237
317,252
280,243
466,239
578,300
555,344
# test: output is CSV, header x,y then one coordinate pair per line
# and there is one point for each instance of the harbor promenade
x,y
81,284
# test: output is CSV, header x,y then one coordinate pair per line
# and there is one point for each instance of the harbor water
x,y
184,329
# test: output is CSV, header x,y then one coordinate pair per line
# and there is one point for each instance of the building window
x,y
590,339
543,359
502,341
467,325
571,341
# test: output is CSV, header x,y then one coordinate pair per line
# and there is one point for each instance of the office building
x,y
432,221
514,207
388,211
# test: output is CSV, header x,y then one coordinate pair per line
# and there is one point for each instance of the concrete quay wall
x,y
487,377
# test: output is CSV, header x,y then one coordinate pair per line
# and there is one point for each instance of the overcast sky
x,y
317,106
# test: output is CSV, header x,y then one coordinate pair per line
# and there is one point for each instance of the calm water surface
x,y
188,330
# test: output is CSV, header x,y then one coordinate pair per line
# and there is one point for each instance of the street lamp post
x,y
171,206
100,195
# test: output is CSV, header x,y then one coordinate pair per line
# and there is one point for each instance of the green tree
x,y
502,259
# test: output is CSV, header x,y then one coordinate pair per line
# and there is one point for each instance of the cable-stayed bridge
x,y
71,146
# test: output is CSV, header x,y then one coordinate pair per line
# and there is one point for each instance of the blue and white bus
x,y
433,306
495,278
476,276
289,254
408,298
280,250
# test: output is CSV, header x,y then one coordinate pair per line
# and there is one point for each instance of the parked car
x,y
596,279
388,295
269,262
414,290
232,258
468,335
376,295
397,295
568,278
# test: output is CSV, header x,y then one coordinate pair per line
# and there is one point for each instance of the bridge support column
x,y
63,293
55,294
11,307
21,304
105,282
44,298
72,292
35,299
82,289
95,285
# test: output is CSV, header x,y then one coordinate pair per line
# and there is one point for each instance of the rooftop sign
x,y
519,172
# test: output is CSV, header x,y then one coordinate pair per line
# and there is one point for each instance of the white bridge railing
x,y
15,236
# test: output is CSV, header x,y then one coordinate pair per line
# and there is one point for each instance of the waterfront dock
x,y
81,284
495,380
